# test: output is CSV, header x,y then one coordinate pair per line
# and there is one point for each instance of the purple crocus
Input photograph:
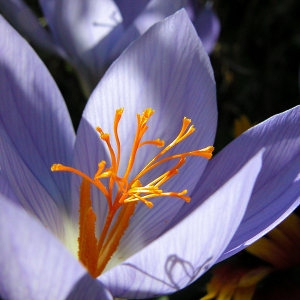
x,y
236,197
91,34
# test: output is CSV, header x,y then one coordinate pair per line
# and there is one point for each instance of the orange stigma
x,y
123,192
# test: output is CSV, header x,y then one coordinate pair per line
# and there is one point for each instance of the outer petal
x,y
86,30
168,70
188,249
34,265
35,127
24,20
277,191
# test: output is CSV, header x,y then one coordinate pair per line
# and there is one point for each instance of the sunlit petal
x,y
276,193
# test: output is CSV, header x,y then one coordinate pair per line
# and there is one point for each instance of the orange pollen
x,y
122,193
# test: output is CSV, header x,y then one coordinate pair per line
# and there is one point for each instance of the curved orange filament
x,y
123,194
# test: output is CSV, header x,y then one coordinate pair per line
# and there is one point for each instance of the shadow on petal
x,y
177,265
174,266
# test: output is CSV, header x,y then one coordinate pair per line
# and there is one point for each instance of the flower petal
x,y
33,264
34,121
155,11
130,10
24,20
166,69
277,191
86,30
208,27
25,189
88,288
5,189
188,249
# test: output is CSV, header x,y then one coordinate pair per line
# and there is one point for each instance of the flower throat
x,y
122,193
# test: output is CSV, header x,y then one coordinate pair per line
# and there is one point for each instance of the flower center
x,y
124,192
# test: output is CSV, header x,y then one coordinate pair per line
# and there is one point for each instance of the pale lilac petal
x,y
25,21
35,123
168,70
208,28
277,191
187,250
86,30
155,11
33,263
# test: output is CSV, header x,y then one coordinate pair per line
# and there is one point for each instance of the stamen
x,y
123,194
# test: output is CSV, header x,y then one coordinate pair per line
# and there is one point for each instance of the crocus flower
x,y
236,197
92,34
